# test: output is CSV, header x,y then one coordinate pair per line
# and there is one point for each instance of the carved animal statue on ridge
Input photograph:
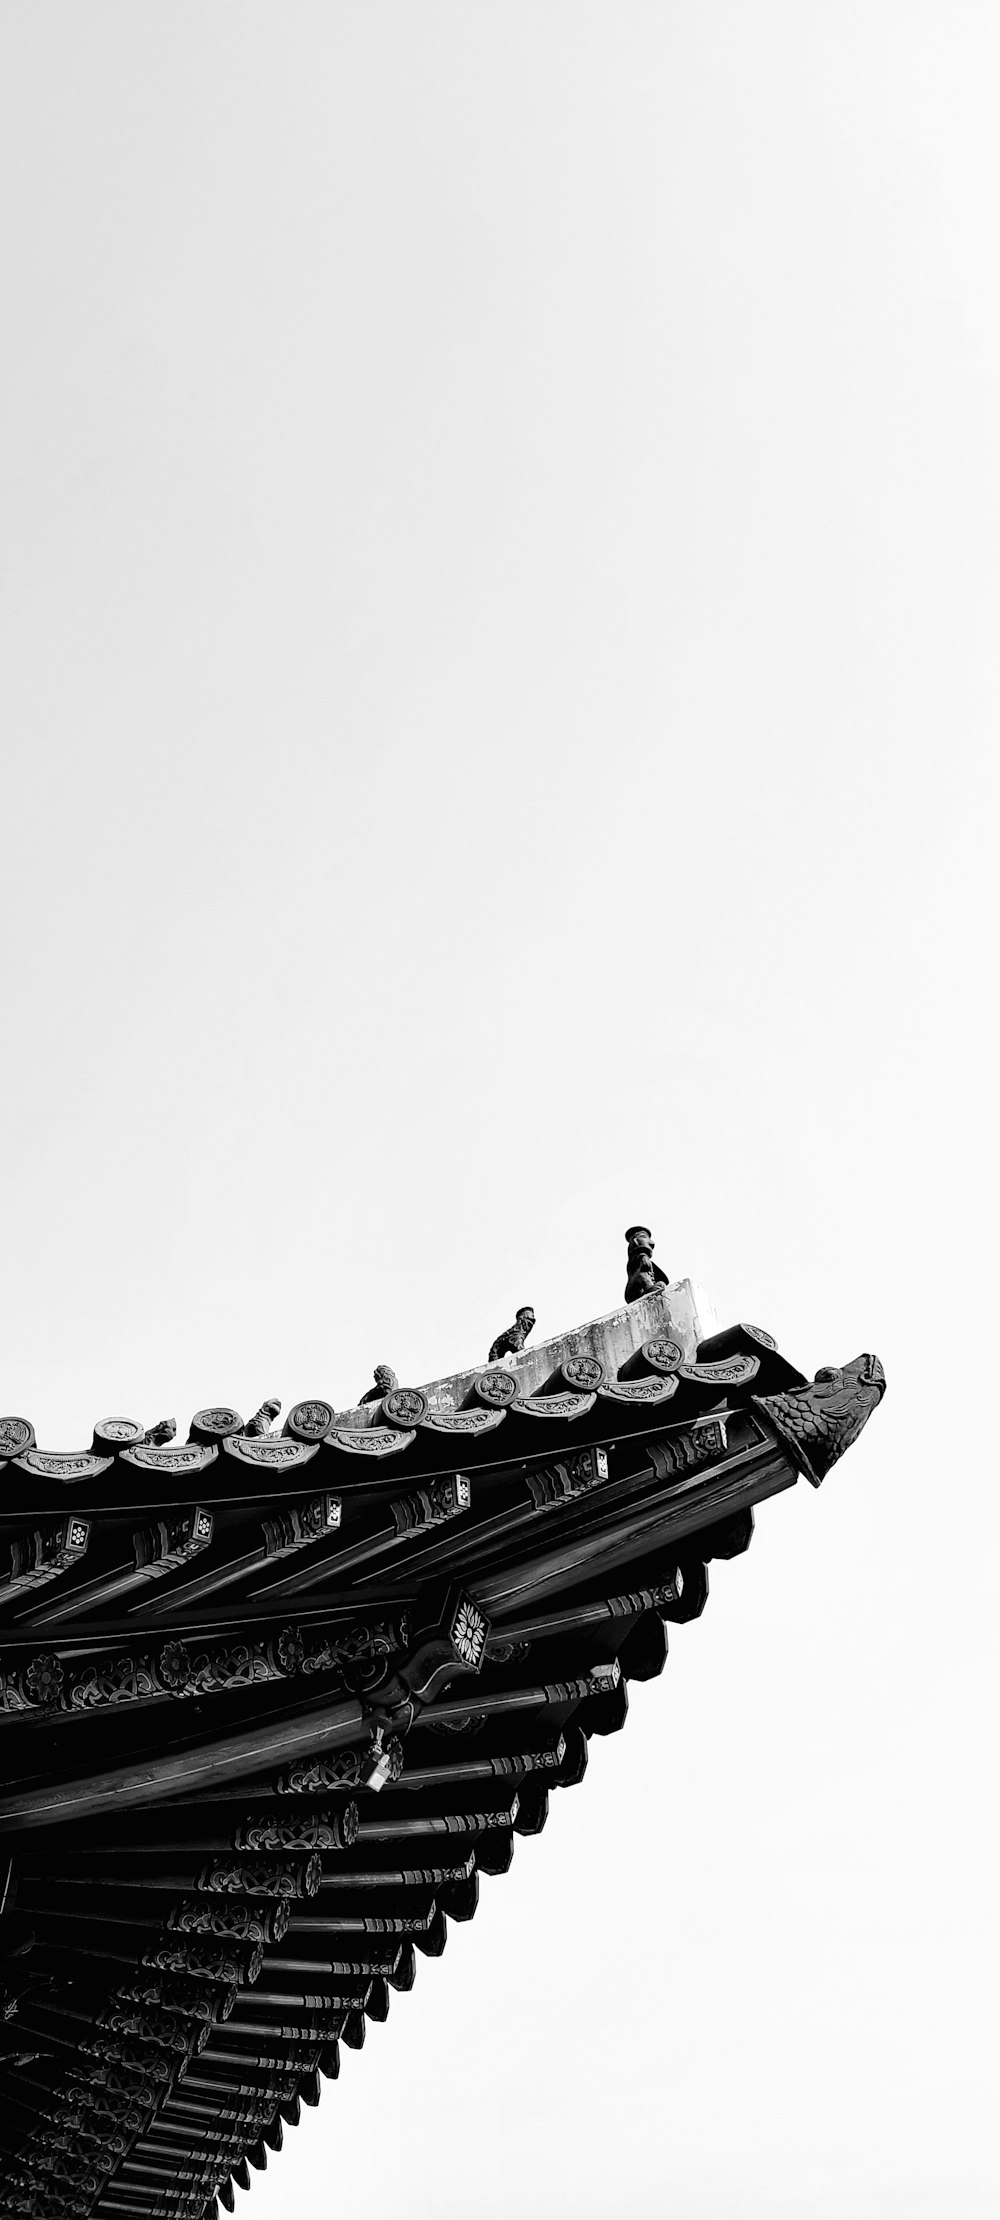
x,y
643,1274
263,1420
158,1436
821,1420
511,1343
385,1379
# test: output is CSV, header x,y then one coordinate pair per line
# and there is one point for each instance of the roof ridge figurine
x,y
511,1343
643,1274
263,1420
158,1436
385,1381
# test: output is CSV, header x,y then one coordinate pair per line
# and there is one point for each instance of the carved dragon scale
x,y
272,1701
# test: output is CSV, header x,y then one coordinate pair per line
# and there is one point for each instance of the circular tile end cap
x,y
309,1421
404,1406
117,1433
662,1355
583,1373
16,1435
215,1424
496,1388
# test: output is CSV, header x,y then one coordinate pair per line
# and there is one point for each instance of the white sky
x,y
500,565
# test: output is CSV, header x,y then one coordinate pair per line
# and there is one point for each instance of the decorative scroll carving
x,y
314,1830
128,2108
275,1452
38,2193
160,1548
208,1961
16,1435
358,1654
301,1523
180,1671
556,1406
167,2029
370,1441
114,2045
432,1505
656,1390
190,2000
643,1274
260,1877
32,1685
820,1421
570,1478
310,1421
496,1389
230,1922
728,1372
103,2078
175,1670
106,1682
77,2132
382,1757
511,1342
36,2204
38,1557
107,2082
463,1422
177,1461
682,1451
69,1465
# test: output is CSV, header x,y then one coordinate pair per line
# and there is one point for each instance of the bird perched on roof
x,y
511,1343
263,1420
157,1436
643,1274
385,1379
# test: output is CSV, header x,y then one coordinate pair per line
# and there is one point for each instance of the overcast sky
x,y
500,677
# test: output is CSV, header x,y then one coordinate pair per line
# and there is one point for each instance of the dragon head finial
x,y
819,1421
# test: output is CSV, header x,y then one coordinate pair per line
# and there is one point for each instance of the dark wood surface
x,y
269,1706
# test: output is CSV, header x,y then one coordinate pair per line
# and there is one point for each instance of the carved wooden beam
x,y
59,1681
228,1756
39,1557
285,1534
158,1550
428,1506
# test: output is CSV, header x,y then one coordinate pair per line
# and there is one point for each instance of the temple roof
x,y
272,1702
